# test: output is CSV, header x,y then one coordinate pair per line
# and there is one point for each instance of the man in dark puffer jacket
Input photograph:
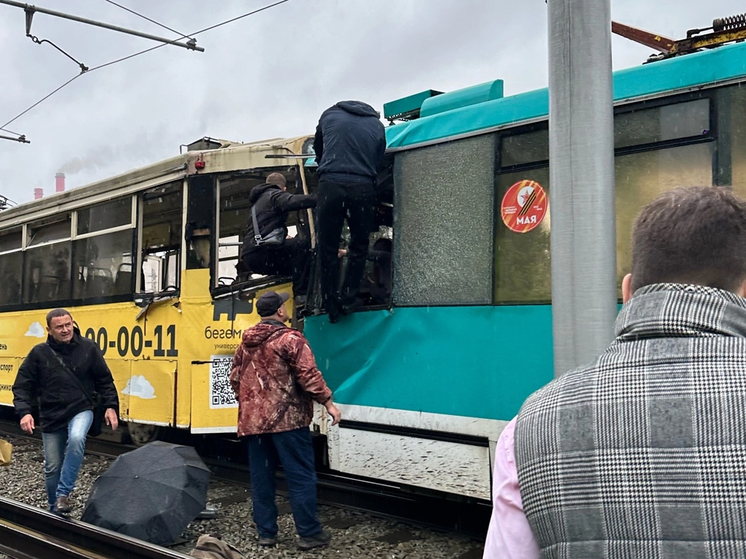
x,y
350,143
273,203
66,412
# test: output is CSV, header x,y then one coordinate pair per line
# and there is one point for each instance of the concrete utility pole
x,y
581,175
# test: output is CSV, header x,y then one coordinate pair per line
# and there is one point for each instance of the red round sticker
x,y
524,206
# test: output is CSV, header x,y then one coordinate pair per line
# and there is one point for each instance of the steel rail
x,y
28,532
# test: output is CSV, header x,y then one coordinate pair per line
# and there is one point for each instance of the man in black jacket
x,y
272,203
350,143
54,375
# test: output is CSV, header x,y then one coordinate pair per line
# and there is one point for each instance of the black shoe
x,y
334,309
267,542
352,306
334,316
321,539
62,505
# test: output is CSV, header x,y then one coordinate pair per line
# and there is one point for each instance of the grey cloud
x,y
267,75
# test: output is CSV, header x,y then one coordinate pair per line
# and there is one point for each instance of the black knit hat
x,y
269,303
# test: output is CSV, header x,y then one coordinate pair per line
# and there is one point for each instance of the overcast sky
x,y
268,75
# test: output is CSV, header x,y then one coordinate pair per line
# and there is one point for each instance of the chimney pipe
x,y
38,193
59,182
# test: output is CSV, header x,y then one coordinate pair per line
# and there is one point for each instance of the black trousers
x,y
337,202
290,259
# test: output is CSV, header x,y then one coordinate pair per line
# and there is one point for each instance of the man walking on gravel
x,y
61,375
275,379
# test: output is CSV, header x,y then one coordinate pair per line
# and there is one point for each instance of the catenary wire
x,y
40,101
186,36
68,82
11,131
125,8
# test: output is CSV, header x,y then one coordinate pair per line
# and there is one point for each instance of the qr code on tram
x,y
221,393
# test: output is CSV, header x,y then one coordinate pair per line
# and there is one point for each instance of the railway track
x,y
389,501
28,532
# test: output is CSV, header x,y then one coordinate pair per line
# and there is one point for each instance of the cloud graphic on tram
x,y
139,386
36,330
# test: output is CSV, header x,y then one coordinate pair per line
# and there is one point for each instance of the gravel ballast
x,y
354,534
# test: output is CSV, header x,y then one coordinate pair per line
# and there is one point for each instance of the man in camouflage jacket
x,y
275,379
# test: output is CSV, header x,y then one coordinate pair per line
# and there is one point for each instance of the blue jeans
x,y
295,450
63,455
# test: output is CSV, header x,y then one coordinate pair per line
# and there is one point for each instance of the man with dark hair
x,y
350,144
275,379
62,374
642,453
287,257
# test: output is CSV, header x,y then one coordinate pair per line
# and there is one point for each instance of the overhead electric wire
x,y
142,52
40,101
125,8
190,35
11,131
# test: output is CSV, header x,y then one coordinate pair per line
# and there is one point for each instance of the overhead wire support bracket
x,y
30,10
22,138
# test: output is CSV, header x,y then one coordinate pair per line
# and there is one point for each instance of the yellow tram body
x,y
169,350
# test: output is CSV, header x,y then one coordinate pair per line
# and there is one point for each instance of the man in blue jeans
x,y
275,379
60,376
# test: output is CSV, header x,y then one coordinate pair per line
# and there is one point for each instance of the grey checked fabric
x,y
642,454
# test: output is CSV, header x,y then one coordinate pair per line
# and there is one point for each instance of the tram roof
x,y
681,73
233,157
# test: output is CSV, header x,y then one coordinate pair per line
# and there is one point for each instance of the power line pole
x,y
30,10
581,175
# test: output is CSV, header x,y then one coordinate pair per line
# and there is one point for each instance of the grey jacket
x,y
642,454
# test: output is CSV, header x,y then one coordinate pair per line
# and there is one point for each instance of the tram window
x,y
640,177
46,273
658,124
443,211
528,147
11,240
48,230
522,264
103,265
11,266
105,216
732,137
235,213
161,238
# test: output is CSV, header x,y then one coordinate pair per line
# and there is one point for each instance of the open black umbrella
x,y
151,493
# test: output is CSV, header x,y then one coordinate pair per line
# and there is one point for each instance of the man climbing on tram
x,y
266,248
62,375
350,144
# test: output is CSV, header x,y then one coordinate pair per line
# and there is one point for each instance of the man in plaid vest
x,y
642,453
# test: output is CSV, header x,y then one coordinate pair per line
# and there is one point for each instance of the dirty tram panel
x,y
146,263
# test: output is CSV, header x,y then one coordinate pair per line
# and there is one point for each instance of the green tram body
x,y
428,384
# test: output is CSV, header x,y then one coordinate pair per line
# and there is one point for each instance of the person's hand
x,y
342,252
111,418
334,411
27,423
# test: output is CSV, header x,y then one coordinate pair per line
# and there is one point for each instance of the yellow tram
x,y
146,263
